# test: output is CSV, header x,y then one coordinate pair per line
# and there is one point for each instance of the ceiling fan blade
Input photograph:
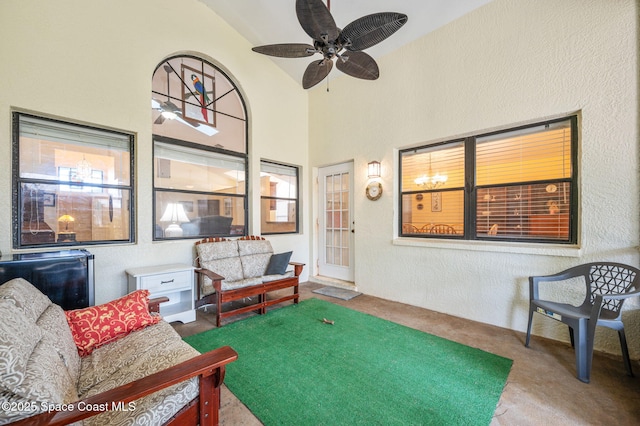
x,y
288,50
159,120
170,107
371,29
316,20
316,72
358,65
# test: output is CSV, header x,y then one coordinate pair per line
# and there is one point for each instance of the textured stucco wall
x,y
506,63
92,62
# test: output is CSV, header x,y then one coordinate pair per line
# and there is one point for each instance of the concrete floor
x,y
541,388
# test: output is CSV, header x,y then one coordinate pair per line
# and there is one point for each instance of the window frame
x,y
296,200
471,188
195,146
243,155
17,182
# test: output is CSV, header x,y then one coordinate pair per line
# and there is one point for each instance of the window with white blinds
x,y
200,159
278,198
433,190
73,184
516,185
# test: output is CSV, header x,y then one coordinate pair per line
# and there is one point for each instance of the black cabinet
x,y
66,276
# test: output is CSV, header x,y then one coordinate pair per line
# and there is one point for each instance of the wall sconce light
x,y
373,169
374,188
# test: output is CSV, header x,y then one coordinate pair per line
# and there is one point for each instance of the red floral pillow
x,y
95,326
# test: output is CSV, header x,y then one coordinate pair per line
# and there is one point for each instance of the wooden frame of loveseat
x,y
203,410
224,296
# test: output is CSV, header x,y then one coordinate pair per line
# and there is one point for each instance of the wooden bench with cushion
x,y
230,270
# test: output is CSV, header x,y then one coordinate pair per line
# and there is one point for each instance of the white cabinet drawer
x,y
166,282
174,281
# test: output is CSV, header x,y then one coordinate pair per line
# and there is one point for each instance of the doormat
x,y
337,292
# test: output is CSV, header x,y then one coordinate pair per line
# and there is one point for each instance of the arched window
x,y
199,150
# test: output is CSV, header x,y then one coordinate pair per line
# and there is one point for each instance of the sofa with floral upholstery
x,y
111,364
232,270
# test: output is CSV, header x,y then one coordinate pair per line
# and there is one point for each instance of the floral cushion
x,y
222,258
57,334
18,339
135,356
95,326
255,255
248,247
269,278
26,297
31,371
255,265
46,378
229,268
108,360
38,360
217,250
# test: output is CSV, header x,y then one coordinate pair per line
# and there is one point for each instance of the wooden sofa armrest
x,y
154,304
209,366
297,268
214,277
216,280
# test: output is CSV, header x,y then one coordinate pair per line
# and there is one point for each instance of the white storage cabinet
x,y
174,281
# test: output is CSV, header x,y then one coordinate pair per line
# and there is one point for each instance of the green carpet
x,y
294,369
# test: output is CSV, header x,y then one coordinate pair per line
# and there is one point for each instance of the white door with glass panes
x,y
336,222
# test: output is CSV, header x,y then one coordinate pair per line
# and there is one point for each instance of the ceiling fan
x,y
330,41
169,110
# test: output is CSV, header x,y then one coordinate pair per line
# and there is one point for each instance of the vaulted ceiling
x,y
274,21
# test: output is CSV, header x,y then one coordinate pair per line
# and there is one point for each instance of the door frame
x,y
343,275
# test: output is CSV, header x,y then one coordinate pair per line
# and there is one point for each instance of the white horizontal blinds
x,y
539,211
537,153
47,130
540,158
421,166
52,150
278,169
437,172
198,157
182,168
278,180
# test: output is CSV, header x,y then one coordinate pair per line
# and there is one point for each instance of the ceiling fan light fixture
x,y
329,40
170,115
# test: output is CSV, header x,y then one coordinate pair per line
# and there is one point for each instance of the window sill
x,y
561,250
